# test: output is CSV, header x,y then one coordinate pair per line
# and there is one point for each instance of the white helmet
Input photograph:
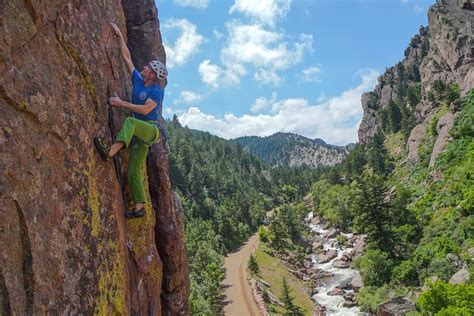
x,y
159,68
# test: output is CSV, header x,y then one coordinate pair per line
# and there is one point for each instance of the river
x,y
340,281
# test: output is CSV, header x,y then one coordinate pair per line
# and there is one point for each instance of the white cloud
x,y
262,102
267,76
335,120
265,51
215,76
251,44
256,47
217,34
210,74
310,74
185,46
188,97
198,4
262,11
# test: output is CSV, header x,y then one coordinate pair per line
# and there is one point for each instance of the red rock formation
x,y
62,233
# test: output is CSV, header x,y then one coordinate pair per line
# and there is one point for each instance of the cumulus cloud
x,y
262,103
250,45
267,76
335,120
188,97
310,74
198,4
262,11
210,74
215,76
185,46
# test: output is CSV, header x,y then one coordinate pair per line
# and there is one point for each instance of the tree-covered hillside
x,y
225,192
418,218
287,149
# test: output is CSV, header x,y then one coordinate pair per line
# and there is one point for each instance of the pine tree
x,y
378,155
372,214
288,301
253,265
394,116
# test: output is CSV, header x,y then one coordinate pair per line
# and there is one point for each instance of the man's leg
x,y
133,127
146,132
138,153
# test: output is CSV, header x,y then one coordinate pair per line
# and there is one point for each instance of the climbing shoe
x,y
135,213
102,148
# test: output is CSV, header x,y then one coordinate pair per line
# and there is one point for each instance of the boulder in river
x,y
318,243
327,255
336,291
349,304
340,264
348,296
347,256
316,220
357,282
332,233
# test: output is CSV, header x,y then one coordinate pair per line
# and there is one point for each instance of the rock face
x,y
442,51
63,238
445,123
414,141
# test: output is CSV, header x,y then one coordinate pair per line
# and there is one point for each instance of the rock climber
x,y
140,131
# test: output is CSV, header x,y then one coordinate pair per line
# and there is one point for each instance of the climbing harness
x,y
118,169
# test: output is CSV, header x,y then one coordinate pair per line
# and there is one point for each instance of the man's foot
x,y
135,213
102,148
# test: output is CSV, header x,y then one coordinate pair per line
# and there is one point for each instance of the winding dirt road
x,y
238,291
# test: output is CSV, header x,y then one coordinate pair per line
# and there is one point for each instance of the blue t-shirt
x,y
141,94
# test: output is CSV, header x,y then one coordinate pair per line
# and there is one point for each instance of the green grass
x,y
272,270
396,145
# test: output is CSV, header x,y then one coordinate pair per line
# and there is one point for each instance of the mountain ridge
x,y
290,149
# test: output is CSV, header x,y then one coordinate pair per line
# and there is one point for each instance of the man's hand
x,y
116,29
116,101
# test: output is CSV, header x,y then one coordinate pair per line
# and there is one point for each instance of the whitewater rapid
x,y
333,303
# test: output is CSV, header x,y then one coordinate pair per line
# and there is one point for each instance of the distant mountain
x,y
288,149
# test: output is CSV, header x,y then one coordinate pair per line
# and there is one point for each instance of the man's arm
x,y
140,109
127,58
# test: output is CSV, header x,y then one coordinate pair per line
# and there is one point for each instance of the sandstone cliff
x,y
442,52
63,238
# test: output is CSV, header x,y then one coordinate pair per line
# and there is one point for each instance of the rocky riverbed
x,y
335,281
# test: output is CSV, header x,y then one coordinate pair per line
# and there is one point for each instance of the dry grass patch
x,y
272,270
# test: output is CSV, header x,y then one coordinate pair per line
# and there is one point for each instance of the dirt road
x,y
238,291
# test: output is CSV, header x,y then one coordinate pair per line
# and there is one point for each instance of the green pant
x,y
146,134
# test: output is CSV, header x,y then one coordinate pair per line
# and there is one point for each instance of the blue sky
x,y
256,67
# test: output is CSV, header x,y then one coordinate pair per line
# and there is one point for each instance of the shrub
x,y
446,298
342,239
375,267
263,234
369,297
